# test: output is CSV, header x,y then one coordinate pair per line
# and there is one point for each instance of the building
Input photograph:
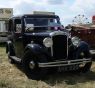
x,y
5,14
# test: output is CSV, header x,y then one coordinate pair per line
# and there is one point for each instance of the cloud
x,y
26,7
86,7
55,2
66,9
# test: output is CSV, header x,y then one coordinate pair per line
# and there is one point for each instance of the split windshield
x,y
31,23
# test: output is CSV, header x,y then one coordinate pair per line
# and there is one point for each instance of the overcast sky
x,y
66,9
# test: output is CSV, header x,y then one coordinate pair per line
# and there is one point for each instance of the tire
x,y
86,68
86,54
35,72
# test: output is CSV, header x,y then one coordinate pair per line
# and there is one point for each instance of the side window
x,y
17,26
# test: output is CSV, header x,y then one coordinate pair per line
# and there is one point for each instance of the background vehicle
x,y
39,43
85,33
84,30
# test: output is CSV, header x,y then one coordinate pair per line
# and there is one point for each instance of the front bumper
x,y
64,63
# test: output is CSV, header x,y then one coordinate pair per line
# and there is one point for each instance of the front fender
x,y
35,48
84,46
10,48
8,44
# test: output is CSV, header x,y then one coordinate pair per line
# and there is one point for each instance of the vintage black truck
x,y
39,43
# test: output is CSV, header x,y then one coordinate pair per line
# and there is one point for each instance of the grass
x,y
12,77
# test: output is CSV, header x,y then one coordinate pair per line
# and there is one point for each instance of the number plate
x,y
69,68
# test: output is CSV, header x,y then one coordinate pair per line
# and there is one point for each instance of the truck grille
x,y
60,47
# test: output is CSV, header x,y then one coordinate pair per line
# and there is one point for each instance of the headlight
x,y
48,42
75,41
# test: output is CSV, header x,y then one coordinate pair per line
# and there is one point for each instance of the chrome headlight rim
x,y
75,41
47,42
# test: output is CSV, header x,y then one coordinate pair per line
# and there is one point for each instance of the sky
x,y
66,9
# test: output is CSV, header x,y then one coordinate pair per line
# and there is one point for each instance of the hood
x,y
48,33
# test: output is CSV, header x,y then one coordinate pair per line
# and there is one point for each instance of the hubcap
x,y
32,64
82,54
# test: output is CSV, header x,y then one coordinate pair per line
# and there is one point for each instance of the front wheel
x,y
84,54
30,65
86,67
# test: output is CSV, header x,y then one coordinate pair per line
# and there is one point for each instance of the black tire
x,y
86,68
86,54
36,72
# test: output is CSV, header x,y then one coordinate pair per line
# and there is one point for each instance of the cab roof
x,y
35,15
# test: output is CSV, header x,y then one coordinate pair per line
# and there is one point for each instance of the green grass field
x,y
12,77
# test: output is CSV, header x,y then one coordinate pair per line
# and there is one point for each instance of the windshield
x,y
43,23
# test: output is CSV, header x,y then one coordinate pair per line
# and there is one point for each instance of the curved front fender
x,y
84,46
35,48
8,44
10,48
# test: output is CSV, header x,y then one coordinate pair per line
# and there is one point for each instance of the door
x,y
18,38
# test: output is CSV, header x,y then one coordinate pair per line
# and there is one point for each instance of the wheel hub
x,y
32,64
82,54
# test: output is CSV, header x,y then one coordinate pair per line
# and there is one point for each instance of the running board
x,y
16,59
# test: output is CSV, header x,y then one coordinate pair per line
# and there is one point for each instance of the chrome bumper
x,y
64,63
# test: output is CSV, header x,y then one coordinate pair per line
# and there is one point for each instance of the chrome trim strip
x,y
58,65
67,47
59,33
68,60
52,48
64,63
